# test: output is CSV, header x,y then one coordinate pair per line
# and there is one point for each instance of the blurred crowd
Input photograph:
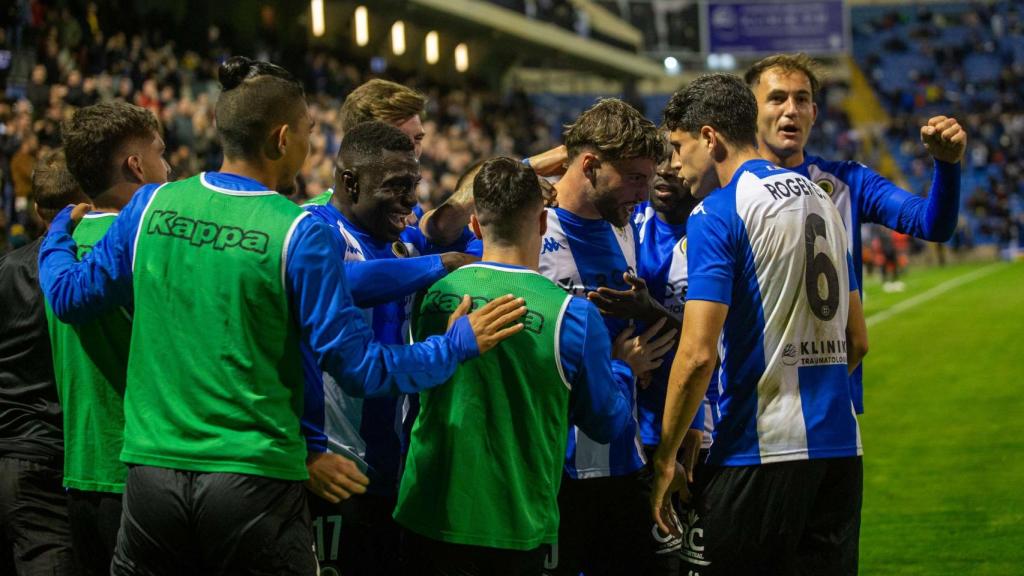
x,y
965,59
77,64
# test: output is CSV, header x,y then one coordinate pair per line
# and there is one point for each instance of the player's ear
x,y
590,165
277,142
474,225
709,137
133,169
814,112
351,183
543,221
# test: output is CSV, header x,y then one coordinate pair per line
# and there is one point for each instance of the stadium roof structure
x,y
542,39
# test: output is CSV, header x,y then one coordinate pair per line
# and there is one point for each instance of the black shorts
x,y
606,528
790,518
95,522
428,557
34,530
178,522
356,537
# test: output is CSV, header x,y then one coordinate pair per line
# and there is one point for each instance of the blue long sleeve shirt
x,y
333,329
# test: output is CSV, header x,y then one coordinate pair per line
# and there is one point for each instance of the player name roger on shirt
x,y
815,353
792,187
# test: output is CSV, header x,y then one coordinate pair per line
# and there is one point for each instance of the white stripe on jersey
x,y
560,264
777,234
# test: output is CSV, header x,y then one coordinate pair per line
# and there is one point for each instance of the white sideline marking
x,y
923,297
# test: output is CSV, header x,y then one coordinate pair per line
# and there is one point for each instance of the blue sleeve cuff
x,y
463,339
437,270
316,444
947,169
711,288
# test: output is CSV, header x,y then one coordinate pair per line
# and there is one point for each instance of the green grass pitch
x,y
943,431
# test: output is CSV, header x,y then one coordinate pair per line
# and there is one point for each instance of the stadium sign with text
x,y
751,27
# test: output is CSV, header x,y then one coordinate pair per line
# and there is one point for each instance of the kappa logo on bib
x,y
200,233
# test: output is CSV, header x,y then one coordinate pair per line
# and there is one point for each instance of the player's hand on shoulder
x,y
646,351
334,477
944,139
70,219
494,321
452,261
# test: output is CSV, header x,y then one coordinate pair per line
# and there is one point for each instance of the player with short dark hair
x,y
785,86
771,278
114,142
112,148
479,495
387,261
33,507
236,294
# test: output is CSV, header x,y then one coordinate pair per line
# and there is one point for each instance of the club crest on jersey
x,y
826,185
399,249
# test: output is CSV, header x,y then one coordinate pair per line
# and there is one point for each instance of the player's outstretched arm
x,y
933,218
444,225
80,291
342,343
687,385
856,333
551,162
375,282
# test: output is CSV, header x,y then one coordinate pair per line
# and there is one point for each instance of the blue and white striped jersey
x,y
370,430
772,246
580,255
862,195
662,264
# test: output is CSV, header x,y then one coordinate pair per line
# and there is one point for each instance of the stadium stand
x,y
966,59
179,85
919,60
